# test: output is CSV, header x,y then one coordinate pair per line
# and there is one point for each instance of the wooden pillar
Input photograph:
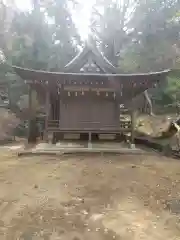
x,y
32,126
47,115
90,140
132,127
54,138
29,109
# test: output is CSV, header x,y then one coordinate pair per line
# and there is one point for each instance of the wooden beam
x,y
47,114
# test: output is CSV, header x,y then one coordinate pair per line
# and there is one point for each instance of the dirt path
x,y
99,198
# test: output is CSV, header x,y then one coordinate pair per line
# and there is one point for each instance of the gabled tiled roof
x,y
90,52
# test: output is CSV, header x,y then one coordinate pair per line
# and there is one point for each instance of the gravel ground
x,y
89,197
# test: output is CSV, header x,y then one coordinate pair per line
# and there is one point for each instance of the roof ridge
x,y
99,58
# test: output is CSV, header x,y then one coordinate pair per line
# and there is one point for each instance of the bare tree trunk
x,y
149,102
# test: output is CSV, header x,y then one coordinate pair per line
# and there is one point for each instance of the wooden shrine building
x,y
86,96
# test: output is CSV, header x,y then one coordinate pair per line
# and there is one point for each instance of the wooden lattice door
x,y
88,113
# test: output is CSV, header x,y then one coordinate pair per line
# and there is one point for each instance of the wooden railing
x,y
125,125
53,124
125,118
122,126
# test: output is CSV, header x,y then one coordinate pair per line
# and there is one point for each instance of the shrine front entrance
x,y
85,113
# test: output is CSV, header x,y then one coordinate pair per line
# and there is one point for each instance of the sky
x,y
81,16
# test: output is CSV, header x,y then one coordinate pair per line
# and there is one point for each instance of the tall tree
x,y
55,41
110,22
65,36
138,35
155,35
144,31
43,37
